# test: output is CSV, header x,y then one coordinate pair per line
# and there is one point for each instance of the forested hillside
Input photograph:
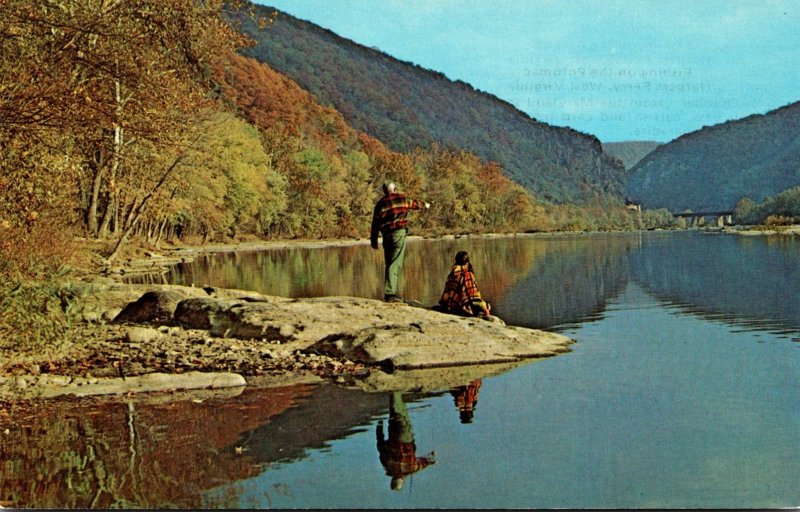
x,y
128,125
406,106
713,168
333,173
630,152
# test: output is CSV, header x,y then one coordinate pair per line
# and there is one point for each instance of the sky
x,y
620,70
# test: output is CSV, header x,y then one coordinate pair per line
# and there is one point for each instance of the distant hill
x,y
406,106
713,168
630,152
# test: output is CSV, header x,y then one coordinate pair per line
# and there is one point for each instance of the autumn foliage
x,y
138,120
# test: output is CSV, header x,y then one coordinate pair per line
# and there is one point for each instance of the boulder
x,y
152,307
203,313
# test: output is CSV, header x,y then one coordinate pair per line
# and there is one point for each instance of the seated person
x,y
461,295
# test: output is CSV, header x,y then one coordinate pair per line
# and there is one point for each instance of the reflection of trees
x,y
743,277
353,270
497,263
570,281
132,454
358,270
533,281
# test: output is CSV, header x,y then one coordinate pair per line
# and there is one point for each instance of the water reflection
x,y
743,281
544,282
693,413
466,399
570,282
398,451
149,451
530,281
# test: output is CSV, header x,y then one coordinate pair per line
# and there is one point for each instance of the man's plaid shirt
x,y
391,213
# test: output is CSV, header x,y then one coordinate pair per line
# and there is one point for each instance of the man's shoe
x,y
393,298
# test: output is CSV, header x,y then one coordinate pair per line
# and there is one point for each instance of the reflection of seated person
x,y
461,295
398,453
466,398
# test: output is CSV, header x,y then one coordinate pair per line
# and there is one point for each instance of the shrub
x,y
778,220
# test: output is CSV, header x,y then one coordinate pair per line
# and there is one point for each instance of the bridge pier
x,y
698,219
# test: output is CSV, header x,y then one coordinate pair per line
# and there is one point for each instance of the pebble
x,y
141,335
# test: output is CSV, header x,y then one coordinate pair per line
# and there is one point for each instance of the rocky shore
x,y
137,338
174,337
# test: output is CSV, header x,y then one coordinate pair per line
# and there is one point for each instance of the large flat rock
x,y
368,331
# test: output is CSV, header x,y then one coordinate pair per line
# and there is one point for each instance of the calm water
x,y
681,391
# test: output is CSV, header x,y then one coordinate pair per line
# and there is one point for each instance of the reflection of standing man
x,y
398,452
389,218
466,398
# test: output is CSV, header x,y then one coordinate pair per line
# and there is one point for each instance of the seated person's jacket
x,y
461,293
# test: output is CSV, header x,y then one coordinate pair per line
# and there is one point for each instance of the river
x,y
680,391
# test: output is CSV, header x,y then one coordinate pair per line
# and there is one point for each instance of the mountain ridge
x,y
406,106
716,166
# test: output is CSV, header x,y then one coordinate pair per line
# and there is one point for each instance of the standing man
x,y
389,218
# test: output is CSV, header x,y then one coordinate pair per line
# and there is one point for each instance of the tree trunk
x,y
137,213
116,159
111,205
91,215
160,232
129,216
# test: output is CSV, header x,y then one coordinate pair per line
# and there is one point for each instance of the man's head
x,y
389,187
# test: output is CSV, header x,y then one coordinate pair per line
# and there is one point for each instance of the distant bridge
x,y
696,219
693,219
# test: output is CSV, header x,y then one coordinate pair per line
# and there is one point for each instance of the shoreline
x,y
158,263
101,349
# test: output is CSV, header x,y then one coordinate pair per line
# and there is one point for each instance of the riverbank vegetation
x,y
782,209
139,121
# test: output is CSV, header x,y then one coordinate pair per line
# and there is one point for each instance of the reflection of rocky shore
x,y
329,413
431,380
180,450
734,278
140,452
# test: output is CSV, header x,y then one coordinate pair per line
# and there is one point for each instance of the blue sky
x,y
621,70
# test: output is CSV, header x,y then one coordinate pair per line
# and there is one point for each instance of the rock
x,y
142,335
90,316
231,318
21,383
152,307
287,331
109,315
371,332
203,313
145,383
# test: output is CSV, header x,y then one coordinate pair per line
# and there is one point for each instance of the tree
x,y
112,74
